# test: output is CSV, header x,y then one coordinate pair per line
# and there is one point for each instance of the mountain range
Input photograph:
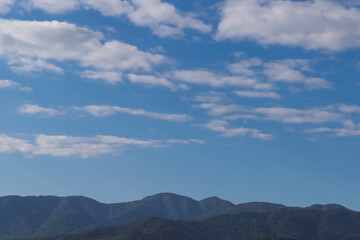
x,y
156,216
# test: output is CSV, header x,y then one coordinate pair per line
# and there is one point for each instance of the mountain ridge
x,y
282,224
36,216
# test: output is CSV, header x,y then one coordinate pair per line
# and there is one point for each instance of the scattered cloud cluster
x,y
36,46
83,147
101,110
162,18
12,84
222,113
290,71
291,23
279,114
256,77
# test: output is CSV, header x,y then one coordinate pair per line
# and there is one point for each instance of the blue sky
x,y
249,100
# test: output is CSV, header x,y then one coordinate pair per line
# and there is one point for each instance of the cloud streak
x,y
36,109
12,84
221,126
83,147
101,111
152,81
105,110
208,78
255,94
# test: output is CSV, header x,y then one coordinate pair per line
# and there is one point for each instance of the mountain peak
x,y
325,207
165,195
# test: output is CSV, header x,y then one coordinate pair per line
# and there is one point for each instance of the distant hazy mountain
x,y
284,224
24,217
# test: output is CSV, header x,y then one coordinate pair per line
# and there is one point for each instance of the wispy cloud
x,y
105,110
83,147
101,110
245,66
292,71
349,108
218,109
347,130
189,141
256,74
111,77
26,64
209,97
12,84
36,109
256,94
341,114
331,113
205,77
291,23
291,115
221,126
149,80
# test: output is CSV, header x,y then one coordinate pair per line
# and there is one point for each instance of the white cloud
x,y
83,147
12,84
216,109
111,77
52,6
162,18
291,115
149,80
349,108
102,110
179,141
292,71
9,145
36,109
5,5
331,114
61,41
244,67
249,73
25,64
221,126
109,7
291,23
209,97
349,129
256,94
203,77
279,114
105,110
